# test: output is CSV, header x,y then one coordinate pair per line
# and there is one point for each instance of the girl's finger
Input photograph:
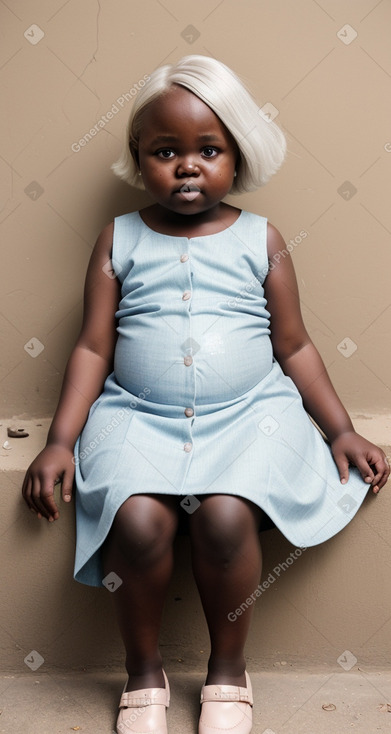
x,y
35,496
377,480
26,492
43,498
48,501
67,485
365,469
343,467
382,476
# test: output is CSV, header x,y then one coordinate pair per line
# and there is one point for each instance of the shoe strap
x,y
226,693
146,697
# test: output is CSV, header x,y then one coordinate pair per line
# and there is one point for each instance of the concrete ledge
x,y
333,602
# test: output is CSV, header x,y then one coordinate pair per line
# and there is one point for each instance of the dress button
x,y
188,361
186,295
188,447
189,412
184,258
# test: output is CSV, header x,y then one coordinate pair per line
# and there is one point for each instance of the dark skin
x,y
183,143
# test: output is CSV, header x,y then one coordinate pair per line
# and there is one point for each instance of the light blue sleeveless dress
x,y
196,403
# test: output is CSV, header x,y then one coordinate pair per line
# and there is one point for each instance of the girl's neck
x,y
208,222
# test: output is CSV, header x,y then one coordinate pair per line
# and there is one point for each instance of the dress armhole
x,y
124,234
261,239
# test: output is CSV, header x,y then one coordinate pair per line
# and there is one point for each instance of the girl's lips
x,y
188,192
188,195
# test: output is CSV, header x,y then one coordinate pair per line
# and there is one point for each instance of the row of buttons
x,y
187,294
189,412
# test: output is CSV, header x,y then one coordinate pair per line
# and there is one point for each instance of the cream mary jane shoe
x,y
226,709
144,711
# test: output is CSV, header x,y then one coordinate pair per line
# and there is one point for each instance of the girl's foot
x,y
144,709
226,708
216,679
152,679
226,671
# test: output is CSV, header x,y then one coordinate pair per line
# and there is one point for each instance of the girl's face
x,y
186,155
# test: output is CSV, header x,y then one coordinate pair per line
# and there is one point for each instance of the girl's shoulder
x,y
128,215
105,239
258,218
126,220
126,226
275,242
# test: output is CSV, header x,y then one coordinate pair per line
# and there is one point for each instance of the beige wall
x,y
334,102
332,89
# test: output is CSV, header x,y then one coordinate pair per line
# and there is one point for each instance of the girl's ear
x,y
134,153
238,165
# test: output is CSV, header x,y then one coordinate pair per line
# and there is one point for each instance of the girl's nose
x,y
187,167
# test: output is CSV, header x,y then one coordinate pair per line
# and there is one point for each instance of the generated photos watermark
x,y
105,431
273,262
261,588
105,119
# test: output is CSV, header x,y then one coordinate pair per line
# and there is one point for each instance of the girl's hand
x,y
370,460
53,465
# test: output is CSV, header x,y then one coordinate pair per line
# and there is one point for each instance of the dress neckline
x,y
203,236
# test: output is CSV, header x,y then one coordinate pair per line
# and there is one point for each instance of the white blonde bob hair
x,y
261,143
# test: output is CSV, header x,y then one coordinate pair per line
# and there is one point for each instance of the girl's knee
x,y
144,527
223,525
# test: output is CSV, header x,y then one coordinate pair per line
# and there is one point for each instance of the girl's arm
x,y
89,364
301,361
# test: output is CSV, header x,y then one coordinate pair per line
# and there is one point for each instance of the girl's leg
x,y
227,567
139,550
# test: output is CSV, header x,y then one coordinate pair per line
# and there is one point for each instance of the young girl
x,y
185,392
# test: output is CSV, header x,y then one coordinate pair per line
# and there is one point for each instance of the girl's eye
x,y
165,153
209,152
